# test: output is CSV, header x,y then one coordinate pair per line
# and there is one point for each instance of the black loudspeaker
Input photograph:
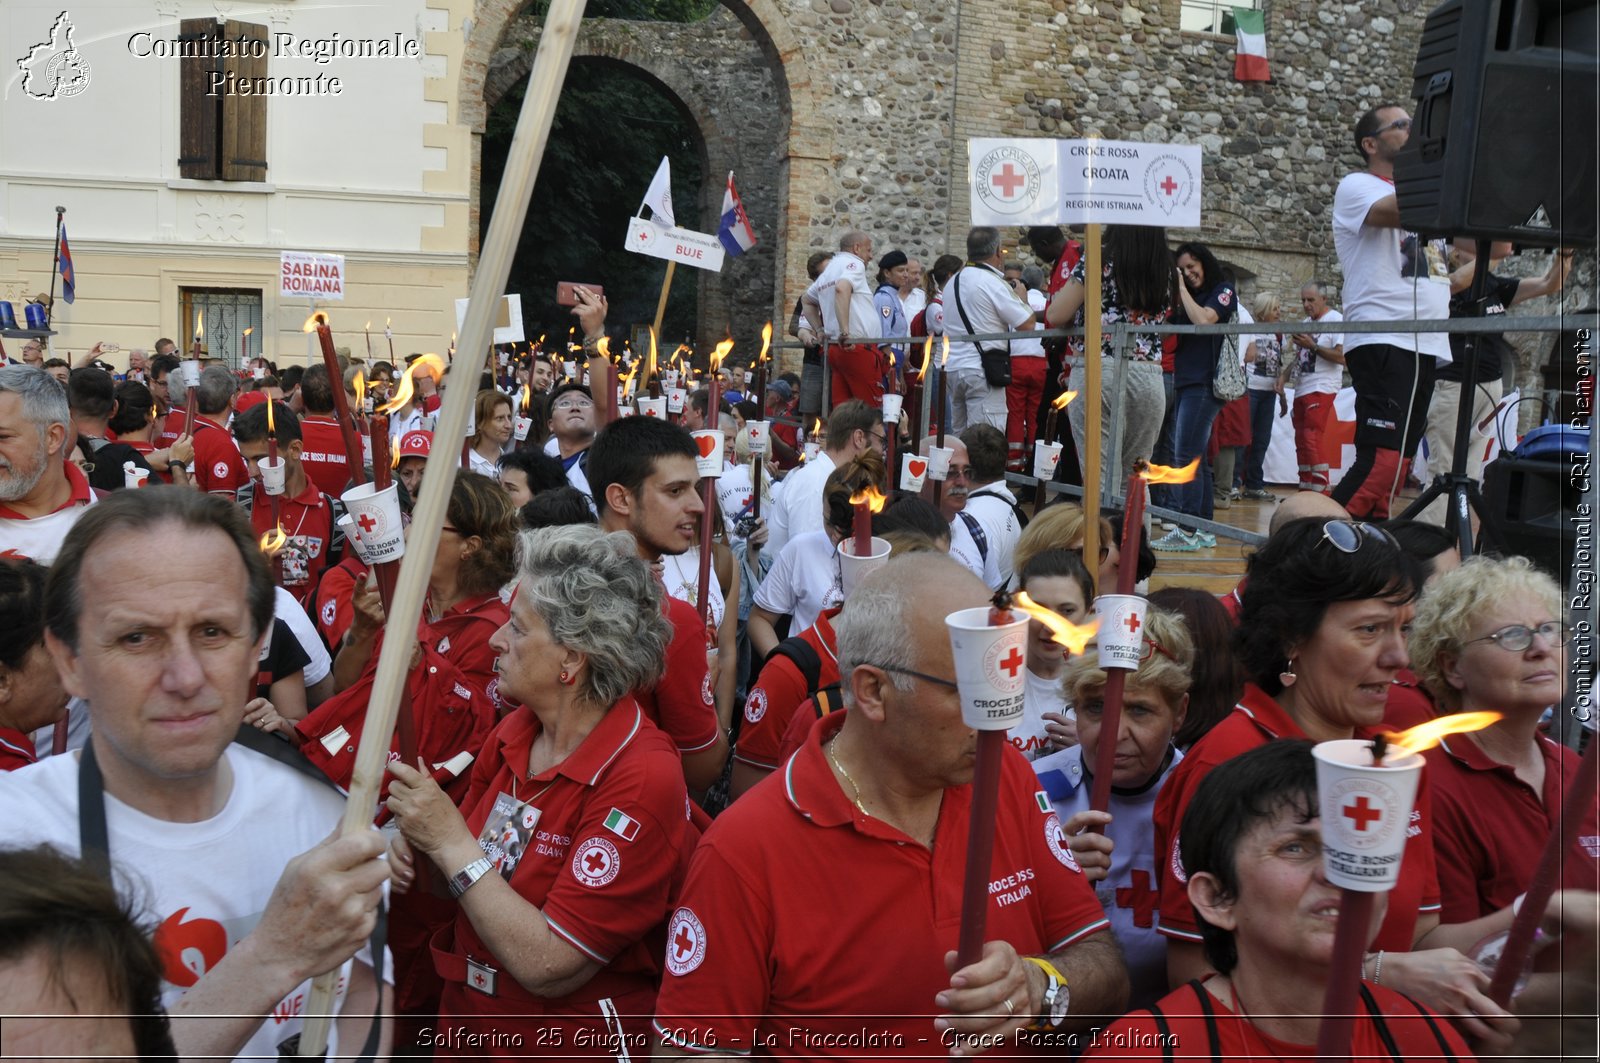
x,y
1503,143
1530,503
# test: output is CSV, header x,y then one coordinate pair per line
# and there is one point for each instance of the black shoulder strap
x,y
827,700
976,531
955,293
1007,498
805,657
1376,1014
1445,1051
1164,1030
280,750
1213,1034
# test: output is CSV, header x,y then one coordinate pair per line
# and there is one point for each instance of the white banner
x,y
701,250
308,275
1035,181
507,327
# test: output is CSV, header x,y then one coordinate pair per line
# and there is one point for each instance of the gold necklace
x,y
833,755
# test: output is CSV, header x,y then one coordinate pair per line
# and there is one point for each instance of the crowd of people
x,y
669,804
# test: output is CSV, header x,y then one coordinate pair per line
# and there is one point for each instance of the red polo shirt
x,y
307,519
16,749
323,454
802,915
1408,704
1491,827
603,863
462,634
335,613
681,704
219,468
1255,721
779,691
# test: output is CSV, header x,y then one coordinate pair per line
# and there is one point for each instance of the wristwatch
x,y
1057,995
463,880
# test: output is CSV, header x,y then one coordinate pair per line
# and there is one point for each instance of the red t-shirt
x,y
1255,721
1491,827
681,704
1186,1033
16,749
335,613
323,454
307,519
603,862
171,427
219,468
801,914
779,691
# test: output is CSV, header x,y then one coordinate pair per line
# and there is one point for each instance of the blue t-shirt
x,y
1196,357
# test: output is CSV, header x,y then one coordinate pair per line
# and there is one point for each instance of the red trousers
x,y
1023,396
858,373
1311,413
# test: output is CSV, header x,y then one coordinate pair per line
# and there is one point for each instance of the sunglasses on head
x,y
1347,536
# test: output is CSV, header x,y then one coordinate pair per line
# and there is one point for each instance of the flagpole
x,y
661,303
55,265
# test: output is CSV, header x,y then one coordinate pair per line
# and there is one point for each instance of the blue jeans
x,y
1193,415
1163,494
1263,413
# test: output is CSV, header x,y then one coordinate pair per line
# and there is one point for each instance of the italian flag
x,y
1251,61
621,824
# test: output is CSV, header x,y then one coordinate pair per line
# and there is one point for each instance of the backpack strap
x,y
1376,1014
805,657
976,531
1213,1034
1007,498
828,699
1164,1030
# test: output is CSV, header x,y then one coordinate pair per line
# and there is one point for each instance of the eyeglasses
x,y
935,680
1519,637
1347,536
1398,123
573,404
1151,647
959,472
879,439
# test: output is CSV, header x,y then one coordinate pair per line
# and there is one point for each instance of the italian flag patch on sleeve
x,y
1043,800
622,825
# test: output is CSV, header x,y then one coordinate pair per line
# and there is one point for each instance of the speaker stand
x,y
1461,489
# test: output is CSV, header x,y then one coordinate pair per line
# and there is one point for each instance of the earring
x,y
565,679
1287,676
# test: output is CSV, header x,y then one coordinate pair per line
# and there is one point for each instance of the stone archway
x,y
803,149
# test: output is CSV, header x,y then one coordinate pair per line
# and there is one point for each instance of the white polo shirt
x,y
990,305
864,326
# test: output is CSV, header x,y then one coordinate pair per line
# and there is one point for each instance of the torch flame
x,y
766,342
317,320
1073,636
652,347
272,428
367,327
720,352
871,496
944,359
394,452
386,331
249,330
405,390
1167,474
1425,736
360,383
199,325
527,397
1061,400
273,541
927,356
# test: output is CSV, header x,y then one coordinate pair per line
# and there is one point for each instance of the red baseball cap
x,y
415,444
248,399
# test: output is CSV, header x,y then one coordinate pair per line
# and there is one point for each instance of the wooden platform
x,y
1218,569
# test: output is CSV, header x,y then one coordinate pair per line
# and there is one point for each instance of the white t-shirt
x,y
38,538
964,548
1039,696
1318,376
990,305
1001,528
681,574
914,304
483,466
1389,274
287,609
202,886
798,507
1131,887
803,581
1032,348
864,324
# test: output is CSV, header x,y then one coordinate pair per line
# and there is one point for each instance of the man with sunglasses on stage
x,y
1389,275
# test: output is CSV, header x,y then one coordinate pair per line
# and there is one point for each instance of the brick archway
x,y
805,154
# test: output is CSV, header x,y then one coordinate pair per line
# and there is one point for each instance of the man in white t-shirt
x,y
990,501
978,300
42,495
838,305
1319,365
969,542
852,428
224,851
1389,275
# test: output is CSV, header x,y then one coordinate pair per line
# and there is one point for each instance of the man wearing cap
x,y
412,459
305,514
781,411
839,306
41,493
821,911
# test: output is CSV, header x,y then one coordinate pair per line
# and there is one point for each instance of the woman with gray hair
x,y
570,844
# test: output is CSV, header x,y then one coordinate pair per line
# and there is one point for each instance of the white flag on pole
x,y
659,196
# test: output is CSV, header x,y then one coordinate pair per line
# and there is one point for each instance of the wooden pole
x,y
494,266
661,303
1092,412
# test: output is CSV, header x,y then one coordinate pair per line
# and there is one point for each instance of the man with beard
x,y
645,483
42,495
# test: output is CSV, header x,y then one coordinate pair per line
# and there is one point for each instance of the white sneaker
x,y
1177,541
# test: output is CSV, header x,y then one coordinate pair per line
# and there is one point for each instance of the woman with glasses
x,y
1322,635
1490,637
1116,848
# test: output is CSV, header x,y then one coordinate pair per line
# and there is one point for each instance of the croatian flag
x,y
735,232
1250,62
69,279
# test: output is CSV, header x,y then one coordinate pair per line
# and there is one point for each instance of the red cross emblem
x,y
367,522
1168,185
595,861
1139,897
478,979
1361,813
1012,662
1008,180
1133,623
683,943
